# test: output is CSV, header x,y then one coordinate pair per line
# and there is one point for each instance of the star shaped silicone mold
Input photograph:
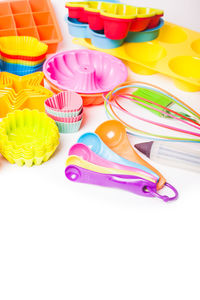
x,y
19,92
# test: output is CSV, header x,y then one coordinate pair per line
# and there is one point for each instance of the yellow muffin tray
x,y
175,53
19,92
28,137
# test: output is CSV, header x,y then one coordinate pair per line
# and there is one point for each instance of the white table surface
x,y
61,240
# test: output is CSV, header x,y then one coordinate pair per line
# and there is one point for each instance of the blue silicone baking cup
x,y
77,29
144,36
99,40
19,69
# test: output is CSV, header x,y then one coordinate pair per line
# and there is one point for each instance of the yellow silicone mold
x,y
19,92
28,137
116,10
21,82
175,53
22,45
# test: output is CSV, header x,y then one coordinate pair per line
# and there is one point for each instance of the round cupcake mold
x,y
85,71
186,66
28,137
172,34
196,46
148,53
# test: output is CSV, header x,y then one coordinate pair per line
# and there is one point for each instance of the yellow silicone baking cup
x,y
22,45
19,92
28,137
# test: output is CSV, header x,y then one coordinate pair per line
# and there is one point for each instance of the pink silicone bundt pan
x,y
85,71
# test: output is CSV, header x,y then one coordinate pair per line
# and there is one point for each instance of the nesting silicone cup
x,y
22,62
175,53
146,35
84,71
81,30
22,46
94,142
88,99
65,101
35,18
67,119
21,55
77,29
19,69
115,19
19,92
64,115
28,137
87,154
69,127
99,39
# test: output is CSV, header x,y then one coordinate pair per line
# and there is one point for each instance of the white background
x,y
61,240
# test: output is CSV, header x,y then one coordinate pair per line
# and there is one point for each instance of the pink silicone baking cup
x,y
65,101
85,71
88,99
66,120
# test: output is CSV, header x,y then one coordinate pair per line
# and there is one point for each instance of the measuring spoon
x,y
113,134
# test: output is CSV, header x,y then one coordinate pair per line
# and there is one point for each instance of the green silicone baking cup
x,y
59,114
68,127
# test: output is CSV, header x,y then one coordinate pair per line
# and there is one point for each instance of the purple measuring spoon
x,y
87,154
129,183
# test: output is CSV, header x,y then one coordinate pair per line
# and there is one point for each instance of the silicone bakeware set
x,y
35,18
29,31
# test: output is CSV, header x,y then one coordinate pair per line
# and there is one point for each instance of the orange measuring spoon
x,y
113,134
